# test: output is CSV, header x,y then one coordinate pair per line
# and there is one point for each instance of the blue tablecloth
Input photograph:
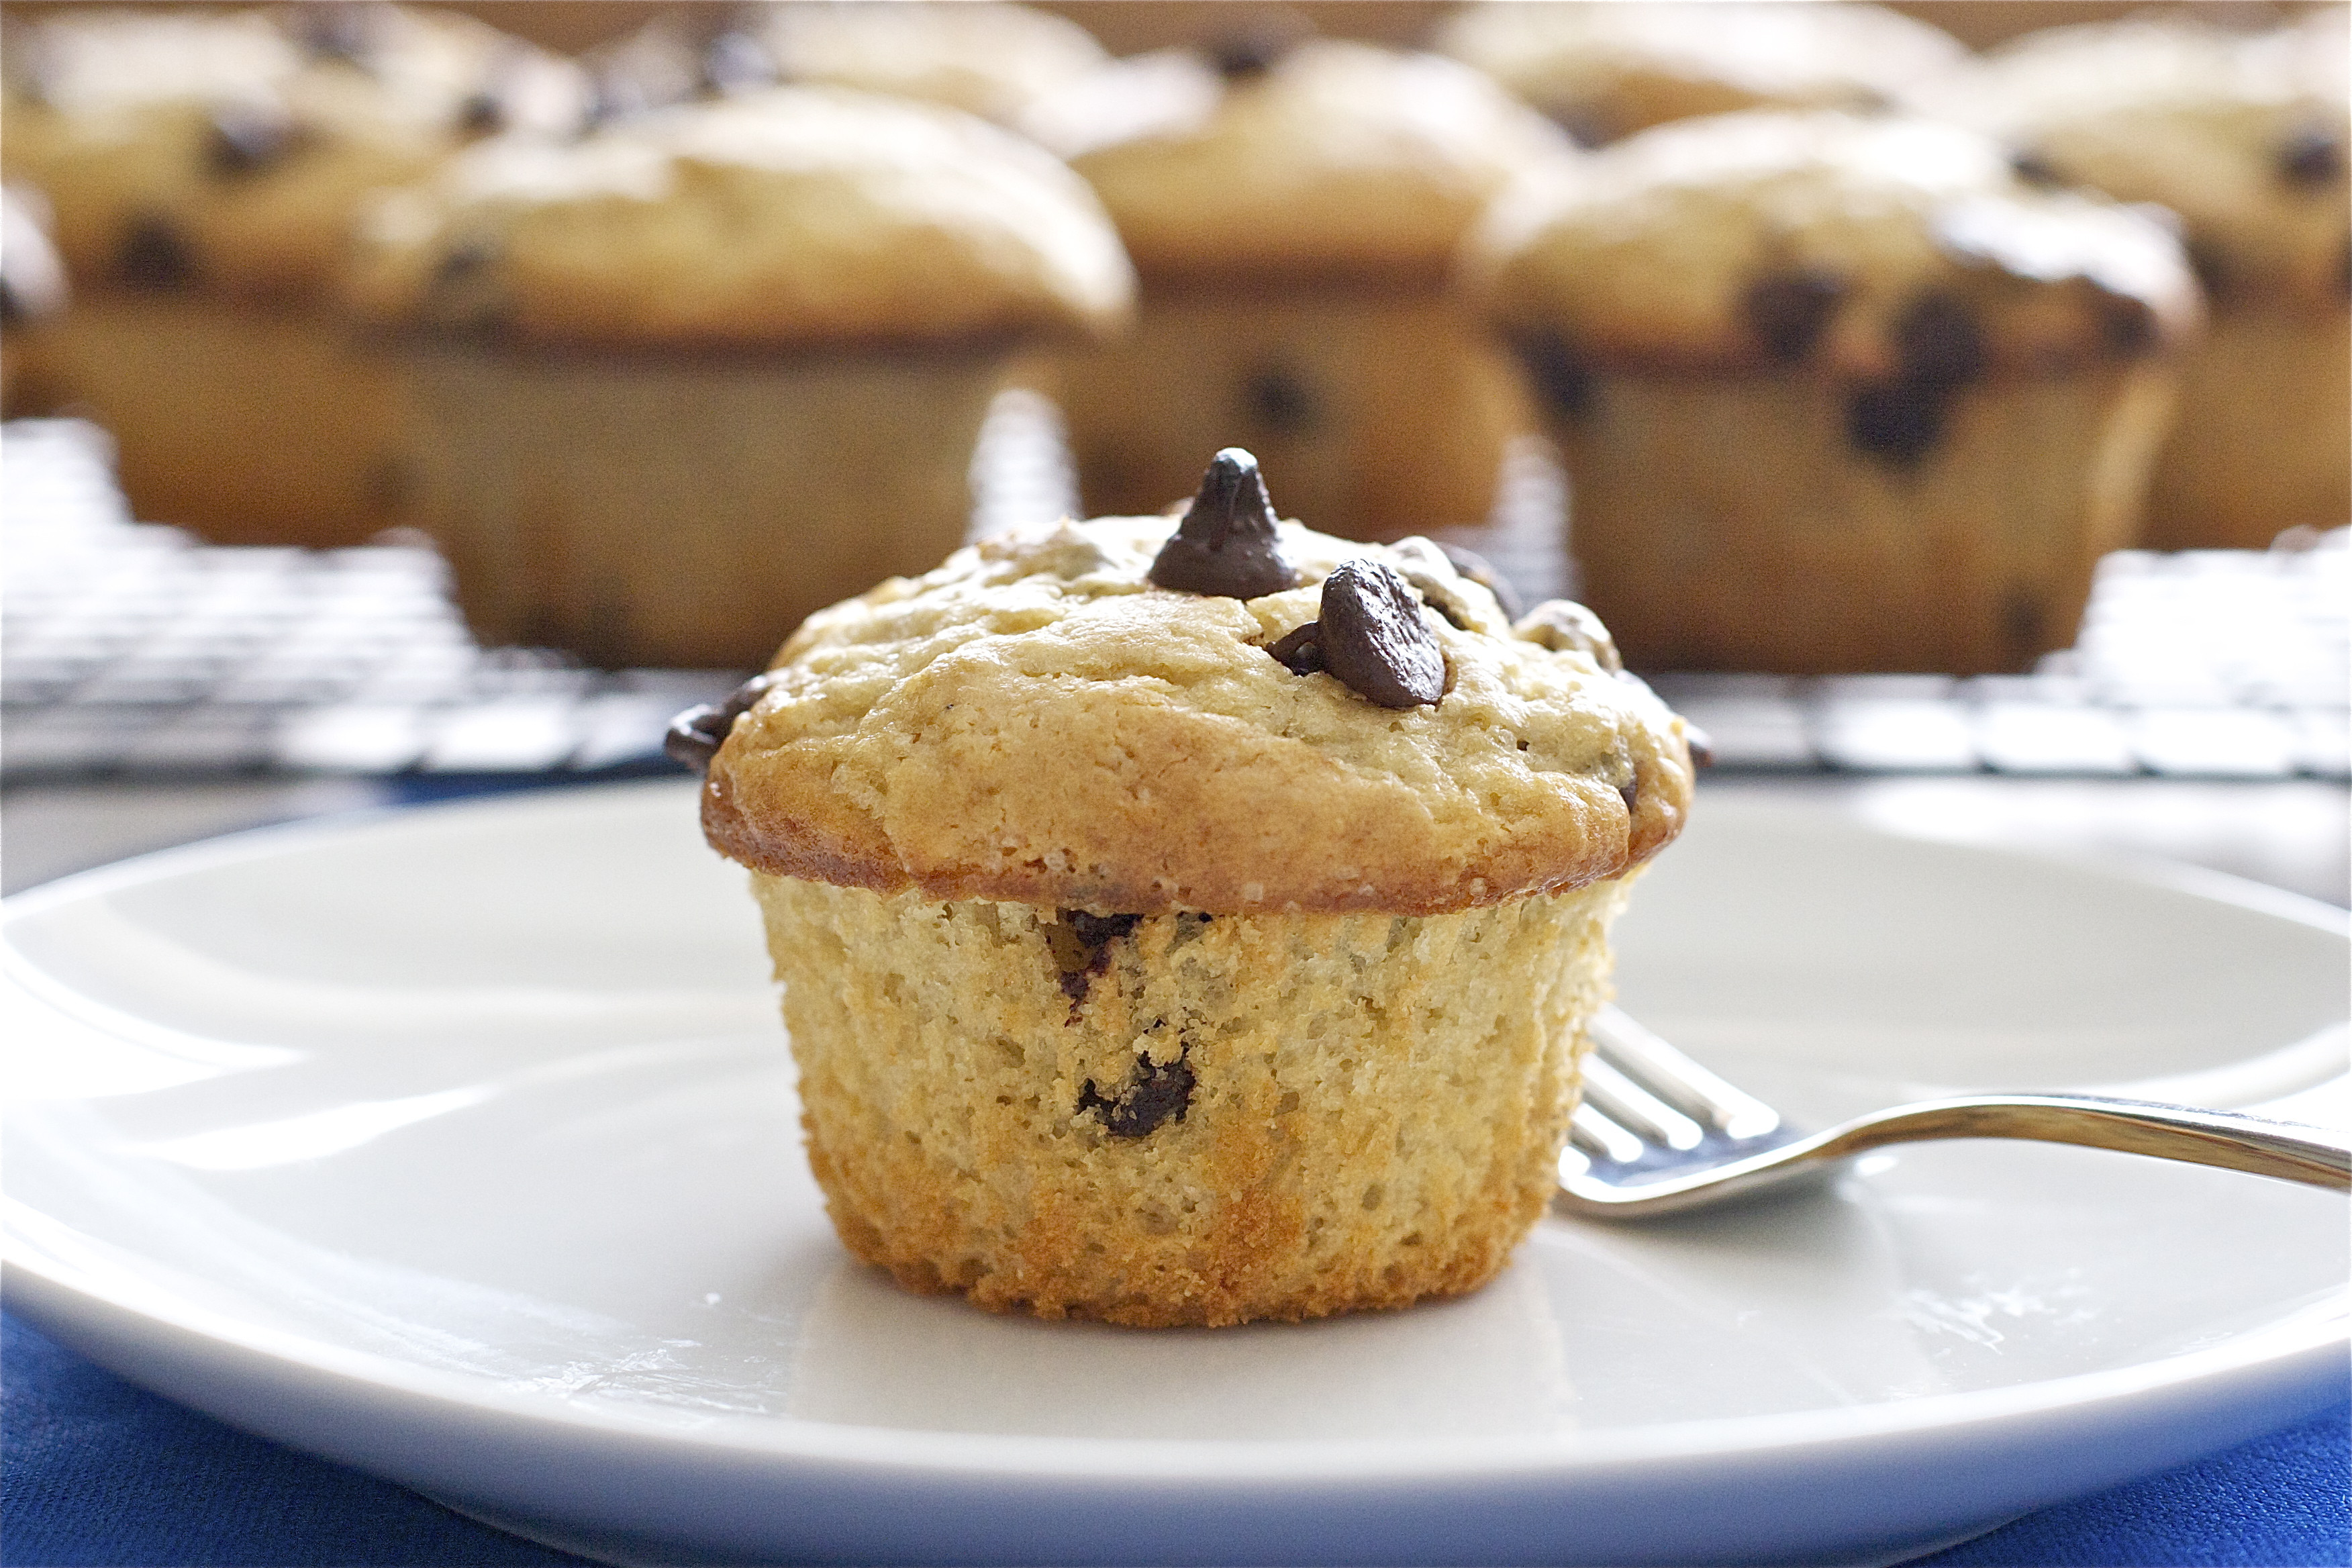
x,y
99,1472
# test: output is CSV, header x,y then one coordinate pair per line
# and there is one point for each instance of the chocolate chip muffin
x,y
205,169
1190,922
714,366
1292,212
1603,68
2244,137
1839,393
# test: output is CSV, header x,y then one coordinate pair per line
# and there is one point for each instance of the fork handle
x,y
2289,1150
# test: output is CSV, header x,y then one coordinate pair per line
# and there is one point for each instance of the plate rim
x,y
2306,1347
2313,1337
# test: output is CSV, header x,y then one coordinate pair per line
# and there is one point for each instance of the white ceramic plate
x,y
459,1145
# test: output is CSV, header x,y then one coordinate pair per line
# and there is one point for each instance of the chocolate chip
x,y
336,30
1226,545
1300,650
154,254
466,259
1564,627
1253,50
1096,931
1154,1094
1938,338
1280,402
1481,571
735,61
1374,639
1630,792
2034,168
1700,743
1561,379
481,114
1788,311
1080,943
1899,420
696,735
2126,322
244,139
1585,126
1939,346
2311,157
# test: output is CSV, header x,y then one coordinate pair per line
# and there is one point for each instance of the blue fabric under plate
x,y
103,1474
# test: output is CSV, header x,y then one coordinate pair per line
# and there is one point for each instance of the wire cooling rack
x,y
132,650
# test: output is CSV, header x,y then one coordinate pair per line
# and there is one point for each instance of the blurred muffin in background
x,y
1292,212
984,57
205,169
1606,68
987,58
32,293
1839,393
713,366
2244,137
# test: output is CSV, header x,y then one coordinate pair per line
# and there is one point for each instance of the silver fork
x,y
1657,1132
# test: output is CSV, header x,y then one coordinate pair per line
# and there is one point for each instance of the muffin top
x,y
1324,159
792,216
1875,249
1092,716
2243,136
1604,69
231,151
986,58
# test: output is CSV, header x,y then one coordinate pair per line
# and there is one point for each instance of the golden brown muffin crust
x,y
1865,248
796,216
1606,69
1035,721
1214,1119
2245,137
1332,158
232,150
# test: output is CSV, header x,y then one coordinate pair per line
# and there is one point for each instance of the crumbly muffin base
x,y
1197,1120
247,423
1731,523
688,510
1377,415
2259,446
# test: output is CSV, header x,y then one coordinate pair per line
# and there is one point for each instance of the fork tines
x,y
1640,1096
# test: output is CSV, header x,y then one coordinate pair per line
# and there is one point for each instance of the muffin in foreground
x,y
1839,393
716,365
205,169
1292,212
1189,922
2245,139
